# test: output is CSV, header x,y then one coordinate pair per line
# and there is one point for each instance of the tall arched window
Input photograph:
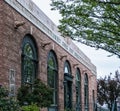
x,y
29,60
86,93
52,71
78,90
67,86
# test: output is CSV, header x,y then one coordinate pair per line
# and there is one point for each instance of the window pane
x,y
86,93
28,50
66,70
51,78
51,62
78,89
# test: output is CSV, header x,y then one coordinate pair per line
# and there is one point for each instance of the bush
x,y
32,107
7,103
38,93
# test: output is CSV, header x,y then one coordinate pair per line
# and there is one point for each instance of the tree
x,y
95,23
39,94
108,90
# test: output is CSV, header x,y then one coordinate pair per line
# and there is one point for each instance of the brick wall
x,y
10,54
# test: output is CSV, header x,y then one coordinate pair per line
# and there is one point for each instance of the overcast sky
x,y
105,65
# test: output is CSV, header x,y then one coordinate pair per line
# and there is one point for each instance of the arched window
x,y
29,60
52,71
86,100
78,90
67,69
67,86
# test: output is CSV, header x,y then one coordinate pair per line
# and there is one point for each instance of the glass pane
x,y
86,92
51,78
78,95
51,62
86,80
28,50
66,70
77,77
28,70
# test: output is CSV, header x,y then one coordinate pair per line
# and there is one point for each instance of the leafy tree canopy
x,y
95,23
108,90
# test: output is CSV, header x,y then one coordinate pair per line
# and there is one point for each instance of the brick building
x,y
31,47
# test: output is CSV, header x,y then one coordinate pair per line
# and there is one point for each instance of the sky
x,y
104,64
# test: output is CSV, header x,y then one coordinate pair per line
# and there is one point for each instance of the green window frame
x,y
29,60
52,75
78,90
86,93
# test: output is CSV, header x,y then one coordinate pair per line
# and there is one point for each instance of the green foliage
x,y
92,22
3,92
32,107
39,94
108,89
7,103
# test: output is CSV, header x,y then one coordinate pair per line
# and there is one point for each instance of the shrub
x,y
7,103
32,107
38,93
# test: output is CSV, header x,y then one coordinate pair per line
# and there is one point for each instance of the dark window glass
x,y
67,86
67,69
29,60
52,72
86,102
78,90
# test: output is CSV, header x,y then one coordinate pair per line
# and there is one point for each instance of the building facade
x,y
31,47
